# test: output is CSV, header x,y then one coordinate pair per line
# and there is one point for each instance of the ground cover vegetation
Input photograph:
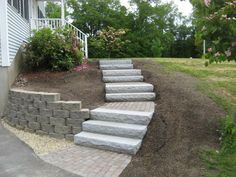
x,y
218,81
55,50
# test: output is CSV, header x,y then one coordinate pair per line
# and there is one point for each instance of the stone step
x,y
123,116
128,87
111,62
115,128
123,72
122,78
116,66
144,96
108,142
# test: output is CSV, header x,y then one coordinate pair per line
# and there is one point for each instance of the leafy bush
x,y
56,50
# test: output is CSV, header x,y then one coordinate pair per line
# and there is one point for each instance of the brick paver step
x,y
144,96
116,66
123,116
110,62
122,78
128,87
115,128
108,142
123,72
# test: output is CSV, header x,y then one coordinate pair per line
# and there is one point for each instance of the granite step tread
x,y
128,87
115,128
123,72
142,96
108,142
116,66
122,79
112,61
123,116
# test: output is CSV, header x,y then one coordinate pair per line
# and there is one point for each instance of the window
x,y
22,6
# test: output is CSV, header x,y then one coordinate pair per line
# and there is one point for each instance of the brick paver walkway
x,y
89,162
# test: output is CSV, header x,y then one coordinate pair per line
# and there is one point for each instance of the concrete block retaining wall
x,y
44,113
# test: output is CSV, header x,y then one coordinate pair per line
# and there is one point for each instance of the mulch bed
x,y
80,84
185,122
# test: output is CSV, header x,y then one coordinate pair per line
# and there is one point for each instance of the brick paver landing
x,y
89,162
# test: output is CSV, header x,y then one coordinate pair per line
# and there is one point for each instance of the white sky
x,y
185,7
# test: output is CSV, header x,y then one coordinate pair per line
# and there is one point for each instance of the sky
x,y
184,7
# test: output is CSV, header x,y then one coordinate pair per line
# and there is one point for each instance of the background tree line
x,y
150,29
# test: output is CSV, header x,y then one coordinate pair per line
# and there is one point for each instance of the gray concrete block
x,y
45,112
20,127
40,104
107,142
23,123
50,97
40,132
72,105
55,105
34,125
82,114
30,117
29,130
76,130
63,129
57,135
69,137
61,113
33,110
74,122
43,119
57,121
122,78
47,127
15,121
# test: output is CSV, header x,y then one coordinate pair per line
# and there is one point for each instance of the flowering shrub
x,y
220,29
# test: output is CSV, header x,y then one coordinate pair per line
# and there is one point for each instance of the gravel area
x,y
40,144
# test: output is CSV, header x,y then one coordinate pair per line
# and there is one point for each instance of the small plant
x,y
56,50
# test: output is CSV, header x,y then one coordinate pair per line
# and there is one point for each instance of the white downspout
x,y
63,12
4,34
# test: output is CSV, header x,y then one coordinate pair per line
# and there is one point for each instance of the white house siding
x,y
0,52
18,31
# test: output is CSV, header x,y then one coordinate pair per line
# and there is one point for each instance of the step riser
x,y
115,67
94,143
123,79
129,89
126,97
123,118
116,131
121,72
112,62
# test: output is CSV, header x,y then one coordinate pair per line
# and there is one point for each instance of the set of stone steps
x,y
125,83
120,126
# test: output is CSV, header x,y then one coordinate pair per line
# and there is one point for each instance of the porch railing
x,y
54,23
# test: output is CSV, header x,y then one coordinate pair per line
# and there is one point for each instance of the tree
x,y
215,22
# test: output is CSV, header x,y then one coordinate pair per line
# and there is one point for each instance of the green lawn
x,y
218,81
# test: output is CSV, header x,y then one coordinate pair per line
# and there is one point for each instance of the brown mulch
x,y
85,85
185,122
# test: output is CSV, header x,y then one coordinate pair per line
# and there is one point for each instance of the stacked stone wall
x,y
44,113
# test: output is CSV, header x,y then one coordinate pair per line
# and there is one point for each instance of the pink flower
x,y
207,2
209,49
228,52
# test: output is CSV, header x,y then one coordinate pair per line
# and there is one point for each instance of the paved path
x,y
18,160
89,162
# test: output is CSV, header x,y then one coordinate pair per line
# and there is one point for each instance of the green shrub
x,y
56,50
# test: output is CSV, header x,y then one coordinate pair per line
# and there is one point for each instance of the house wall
x,y
18,31
7,77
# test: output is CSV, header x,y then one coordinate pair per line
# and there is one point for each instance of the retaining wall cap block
x,y
72,105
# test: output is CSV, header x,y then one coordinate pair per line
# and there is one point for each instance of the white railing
x,y
54,23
